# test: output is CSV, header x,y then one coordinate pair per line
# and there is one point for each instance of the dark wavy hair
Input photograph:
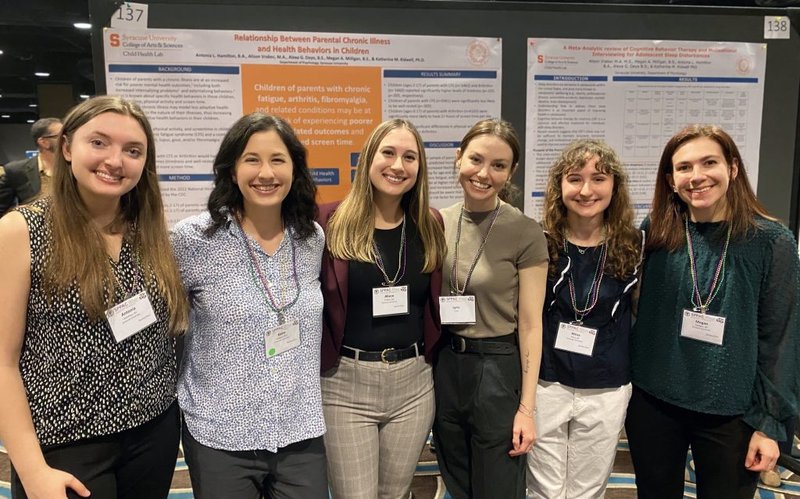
x,y
299,208
623,241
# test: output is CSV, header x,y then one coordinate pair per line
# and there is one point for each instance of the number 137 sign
x,y
130,15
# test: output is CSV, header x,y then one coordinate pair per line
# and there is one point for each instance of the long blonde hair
x,y
351,227
623,241
79,253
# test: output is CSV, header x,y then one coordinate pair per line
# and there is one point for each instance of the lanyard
x,y
401,259
716,283
594,289
258,275
136,270
454,270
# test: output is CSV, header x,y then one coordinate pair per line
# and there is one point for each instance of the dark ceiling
x,y
38,35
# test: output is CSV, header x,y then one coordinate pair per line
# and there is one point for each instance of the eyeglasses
x,y
50,136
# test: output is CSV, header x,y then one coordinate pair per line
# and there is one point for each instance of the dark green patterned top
x,y
756,370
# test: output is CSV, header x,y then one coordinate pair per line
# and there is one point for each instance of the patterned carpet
x,y
428,484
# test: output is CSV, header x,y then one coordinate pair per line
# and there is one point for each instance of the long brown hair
x,y
623,241
351,228
79,253
668,209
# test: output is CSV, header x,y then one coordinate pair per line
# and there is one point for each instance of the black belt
x,y
499,345
387,355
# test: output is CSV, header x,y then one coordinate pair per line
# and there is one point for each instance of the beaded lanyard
x,y
454,270
716,283
401,259
257,274
136,270
594,289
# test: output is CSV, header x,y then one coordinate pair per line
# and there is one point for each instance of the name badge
x,y
576,339
457,309
703,327
282,338
389,300
130,316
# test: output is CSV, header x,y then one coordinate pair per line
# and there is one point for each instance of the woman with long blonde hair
x,y
90,302
381,276
584,380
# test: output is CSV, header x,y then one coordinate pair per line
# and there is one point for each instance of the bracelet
x,y
523,409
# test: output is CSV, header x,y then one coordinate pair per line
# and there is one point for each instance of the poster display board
x,y
333,88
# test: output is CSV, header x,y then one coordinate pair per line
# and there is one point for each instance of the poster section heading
x,y
635,95
333,88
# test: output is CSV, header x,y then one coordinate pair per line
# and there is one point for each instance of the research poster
x,y
636,94
333,88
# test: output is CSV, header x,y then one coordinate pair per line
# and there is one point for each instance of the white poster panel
x,y
636,94
334,88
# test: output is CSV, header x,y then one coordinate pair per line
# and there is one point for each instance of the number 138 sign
x,y
777,27
130,15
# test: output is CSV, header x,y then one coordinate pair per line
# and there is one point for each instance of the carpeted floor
x,y
428,484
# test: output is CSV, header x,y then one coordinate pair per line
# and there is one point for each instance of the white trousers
x,y
577,433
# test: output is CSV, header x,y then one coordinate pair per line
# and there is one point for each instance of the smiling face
x,y
395,166
484,167
107,156
700,177
263,172
586,192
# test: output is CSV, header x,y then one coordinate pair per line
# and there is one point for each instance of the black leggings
x,y
131,464
659,435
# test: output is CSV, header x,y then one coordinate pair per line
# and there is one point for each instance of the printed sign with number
x,y
777,27
130,15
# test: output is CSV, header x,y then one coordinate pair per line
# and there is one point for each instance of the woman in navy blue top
x,y
584,379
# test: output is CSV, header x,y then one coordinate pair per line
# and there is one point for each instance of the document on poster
x,y
636,94
333,88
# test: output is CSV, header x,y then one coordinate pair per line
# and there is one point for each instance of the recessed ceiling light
x,y
42,74
30,121
5,115
33,105
83,25
1,52
84,96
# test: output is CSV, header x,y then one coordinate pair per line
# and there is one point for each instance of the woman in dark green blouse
x,y
715,347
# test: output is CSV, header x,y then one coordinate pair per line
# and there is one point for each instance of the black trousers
x,y
659,435
297,471
131,464
477,397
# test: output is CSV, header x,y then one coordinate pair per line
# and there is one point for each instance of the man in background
x,y
25,180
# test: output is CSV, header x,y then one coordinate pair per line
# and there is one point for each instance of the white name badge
x,y
130,316
703,327
282,338
457,309
576,339
389,300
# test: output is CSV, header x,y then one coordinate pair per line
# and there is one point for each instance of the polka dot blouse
x,y
79,381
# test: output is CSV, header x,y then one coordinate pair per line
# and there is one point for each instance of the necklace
x,y
594,288
401,260
454,287
719,276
